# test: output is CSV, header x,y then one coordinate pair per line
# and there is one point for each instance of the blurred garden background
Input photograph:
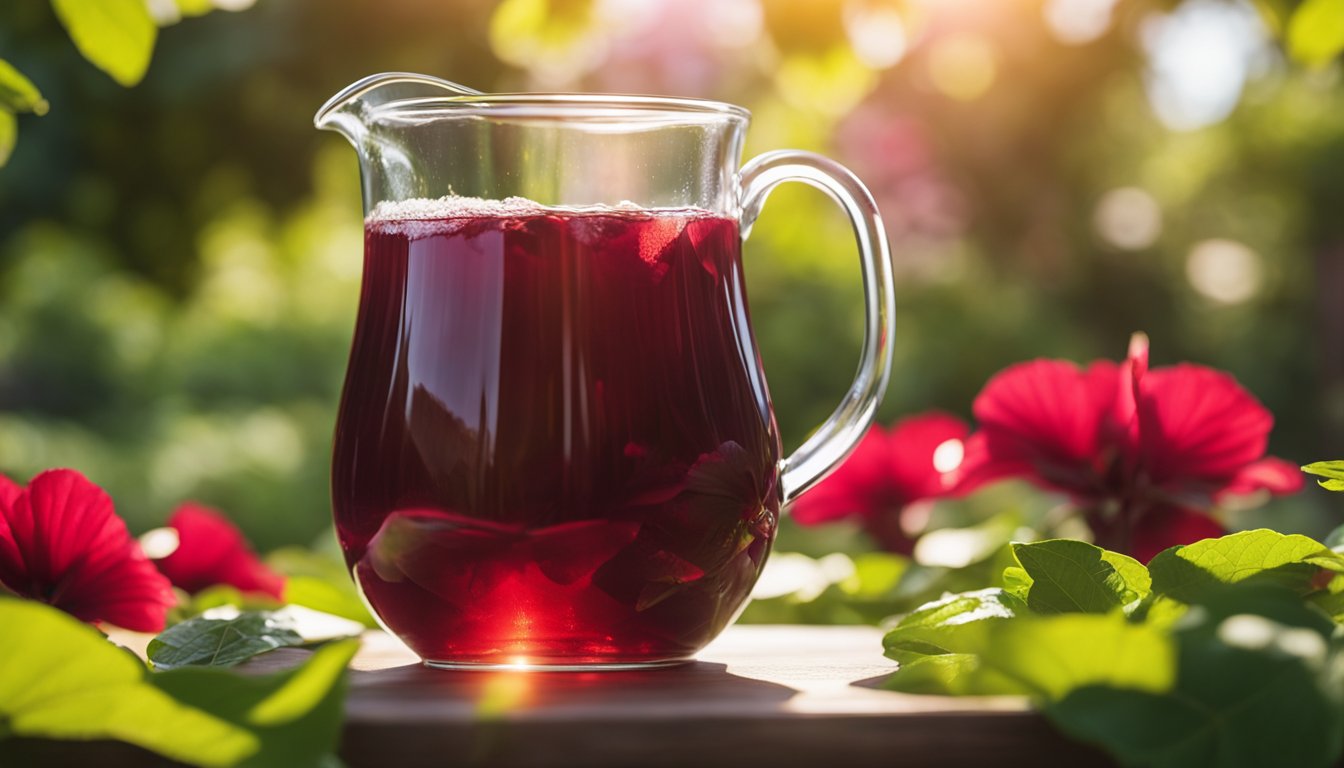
x,y
179,260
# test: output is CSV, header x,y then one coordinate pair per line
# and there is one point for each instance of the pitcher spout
x,y
347,112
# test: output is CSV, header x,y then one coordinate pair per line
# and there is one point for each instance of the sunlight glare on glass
x,y
1224,271
962,66
1076,22
1128,218
1199,58
877,35
159,543
948,455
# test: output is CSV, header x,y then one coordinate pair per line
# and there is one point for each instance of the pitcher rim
x,y
560,105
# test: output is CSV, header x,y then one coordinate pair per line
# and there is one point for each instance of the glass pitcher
x,y
555,446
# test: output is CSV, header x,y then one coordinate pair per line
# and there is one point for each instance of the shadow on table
x,y
410,715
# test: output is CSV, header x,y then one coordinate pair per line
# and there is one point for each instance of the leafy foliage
x,y
117,36
1199,671
1066,576
17,94
1331,471
61,679
1185,573
221,642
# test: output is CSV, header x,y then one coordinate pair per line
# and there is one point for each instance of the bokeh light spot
x,y
1199,58
1128,218
159,543
1224,271
1075,22
948,455
962,66
877,35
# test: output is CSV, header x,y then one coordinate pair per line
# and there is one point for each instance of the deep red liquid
x,y
555,442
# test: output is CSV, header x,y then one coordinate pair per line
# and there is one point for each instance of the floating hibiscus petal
x,y
62,543
210,551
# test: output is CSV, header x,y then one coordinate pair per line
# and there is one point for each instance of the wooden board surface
x,y
758,696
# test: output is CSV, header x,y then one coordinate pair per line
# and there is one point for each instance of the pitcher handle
x,y
838,436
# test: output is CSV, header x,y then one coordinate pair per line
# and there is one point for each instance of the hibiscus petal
x,y
850,490
78,556
1197,426
211,550
1165,527
888,470
1270,474
11,560
912,448
9,491
1045,420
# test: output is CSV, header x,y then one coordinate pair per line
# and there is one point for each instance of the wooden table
x,y
767,696
758,696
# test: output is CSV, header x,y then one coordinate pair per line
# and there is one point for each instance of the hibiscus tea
x,y
555,443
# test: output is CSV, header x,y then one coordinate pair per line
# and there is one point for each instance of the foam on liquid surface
x,y
423,217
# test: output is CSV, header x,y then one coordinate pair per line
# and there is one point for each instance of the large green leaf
x,y
1068,576
295,715
1253,690
221,642
1048,656
1332,471
983,643
17,93
117,36
1186,573
60,679
1316,32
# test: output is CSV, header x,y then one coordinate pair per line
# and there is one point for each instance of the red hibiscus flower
x,y
62,543
890,470
1143,453
210,551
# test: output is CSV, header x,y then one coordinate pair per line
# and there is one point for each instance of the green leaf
x,y
9,133
117,36
1185,573
1332,471
1070,576
295,715
1048,656
321,595
966,646
1316,31
1016,582
954,624
17,93
1253,690
60,679
195,7
221,642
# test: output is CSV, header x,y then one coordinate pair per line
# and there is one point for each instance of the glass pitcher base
x,y
554,665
